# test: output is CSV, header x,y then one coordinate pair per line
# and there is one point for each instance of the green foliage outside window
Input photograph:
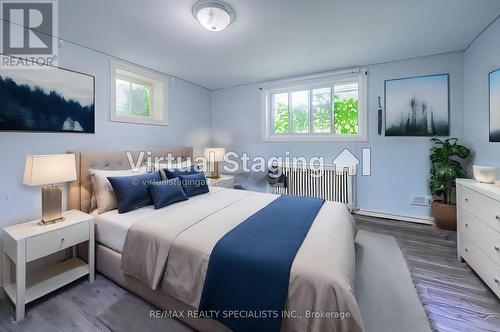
x,y
300,121
321,110
345,115
281,119
132,98
140,98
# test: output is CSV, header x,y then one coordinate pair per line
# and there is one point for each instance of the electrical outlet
x,y
420,200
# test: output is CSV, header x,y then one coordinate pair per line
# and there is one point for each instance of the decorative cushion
x,y
194,184
172,173
158,166
102,189
132,191
166,192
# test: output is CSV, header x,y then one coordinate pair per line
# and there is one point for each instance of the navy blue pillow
x,y
166,192
194,184
132,191
173,173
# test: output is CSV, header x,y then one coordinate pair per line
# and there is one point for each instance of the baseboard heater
x,y
330,183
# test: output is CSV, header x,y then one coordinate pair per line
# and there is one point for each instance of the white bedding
x,y
321,277
111,227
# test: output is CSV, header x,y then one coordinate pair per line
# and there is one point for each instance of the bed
x,y
321,276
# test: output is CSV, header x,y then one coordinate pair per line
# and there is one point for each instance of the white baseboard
x,y
420,220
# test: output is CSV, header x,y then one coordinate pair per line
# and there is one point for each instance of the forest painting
x,y
48,100
417,106
494,79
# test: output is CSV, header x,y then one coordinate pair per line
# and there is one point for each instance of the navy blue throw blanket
x,y
249,268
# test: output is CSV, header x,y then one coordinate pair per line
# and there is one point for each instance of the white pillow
x,y
102,189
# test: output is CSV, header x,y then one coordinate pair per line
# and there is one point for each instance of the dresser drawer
x,y
484,208
483,236
484,266
50,242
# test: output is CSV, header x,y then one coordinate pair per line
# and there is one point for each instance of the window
x,y
137,95
319,109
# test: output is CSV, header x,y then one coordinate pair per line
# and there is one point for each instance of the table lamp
x,y
47,170
215,155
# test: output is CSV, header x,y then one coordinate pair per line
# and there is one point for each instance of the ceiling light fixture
x,y
214,15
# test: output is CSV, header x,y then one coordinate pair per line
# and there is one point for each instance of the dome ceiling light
x,y
213,15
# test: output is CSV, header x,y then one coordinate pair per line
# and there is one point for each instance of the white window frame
x,y
309,83
158,85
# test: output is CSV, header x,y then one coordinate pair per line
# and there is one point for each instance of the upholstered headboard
x,y
80,191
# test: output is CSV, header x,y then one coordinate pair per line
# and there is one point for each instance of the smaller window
x,y
137,96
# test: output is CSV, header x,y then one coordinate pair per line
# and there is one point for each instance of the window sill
x,y
135,120
315,138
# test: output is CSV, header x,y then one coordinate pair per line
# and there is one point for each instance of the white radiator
x,y
328,183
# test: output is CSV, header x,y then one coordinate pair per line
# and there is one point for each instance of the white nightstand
x,y
23,243
225,181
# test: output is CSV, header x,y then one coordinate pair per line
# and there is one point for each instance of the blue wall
x,y
482,57
189,124
400,166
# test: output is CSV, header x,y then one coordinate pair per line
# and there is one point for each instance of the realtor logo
x,y
28,28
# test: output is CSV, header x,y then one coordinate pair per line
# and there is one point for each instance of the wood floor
x,y
454,298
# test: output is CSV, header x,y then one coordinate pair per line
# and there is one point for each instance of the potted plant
x,y
445,170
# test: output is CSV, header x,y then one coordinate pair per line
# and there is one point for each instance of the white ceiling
x,y
272,38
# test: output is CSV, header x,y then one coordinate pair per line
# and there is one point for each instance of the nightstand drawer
x,y
48,243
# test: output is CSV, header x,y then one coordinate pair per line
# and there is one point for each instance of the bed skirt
x,y
108,263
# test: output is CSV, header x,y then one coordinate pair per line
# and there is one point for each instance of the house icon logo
x,y
346,160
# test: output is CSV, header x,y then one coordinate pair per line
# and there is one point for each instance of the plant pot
x,y
445,215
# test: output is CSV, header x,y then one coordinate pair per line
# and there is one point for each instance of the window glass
x,y
122,97
321,110
280,109
300,112
346,109
132,98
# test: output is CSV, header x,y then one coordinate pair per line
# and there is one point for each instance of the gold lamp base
x,y
51,205
215,173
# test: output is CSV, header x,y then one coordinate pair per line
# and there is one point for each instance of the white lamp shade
x,y
215,154
48,169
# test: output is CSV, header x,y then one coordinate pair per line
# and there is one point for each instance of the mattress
x,y
111,227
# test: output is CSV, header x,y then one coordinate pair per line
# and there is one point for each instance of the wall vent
x,y
420,200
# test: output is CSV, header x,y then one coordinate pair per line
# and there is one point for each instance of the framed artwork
x,y
47,100
417,106
494,102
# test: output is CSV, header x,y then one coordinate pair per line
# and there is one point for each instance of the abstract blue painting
x,y
46,100
417,106
494,79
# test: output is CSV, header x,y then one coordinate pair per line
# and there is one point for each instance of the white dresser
x,y
478,229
